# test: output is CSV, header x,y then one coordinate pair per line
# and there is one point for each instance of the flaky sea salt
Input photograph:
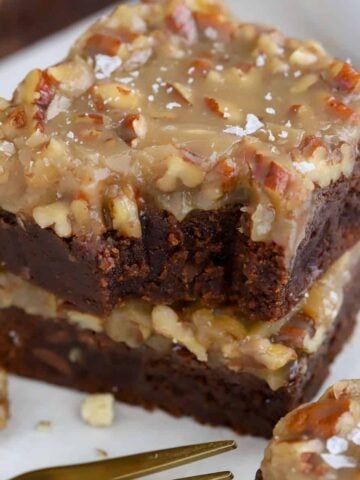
x,y
172,105
106,65
253,124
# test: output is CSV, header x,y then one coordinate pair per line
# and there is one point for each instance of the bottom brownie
x,y
56,352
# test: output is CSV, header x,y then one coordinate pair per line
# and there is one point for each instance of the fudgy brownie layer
x,y
203,257
22,22
58,353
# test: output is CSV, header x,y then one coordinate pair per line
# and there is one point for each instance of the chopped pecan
x,y
74,77
214,106
215,24
178,169
114,95
103,43
348,79
180,20
223,109
183,93
200,67
339,109
54,215
318,420
46,90
16,118
309,144
166,322
277,179
302,57
133,128
125,214
37,89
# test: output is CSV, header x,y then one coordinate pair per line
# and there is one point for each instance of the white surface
x,y
22,448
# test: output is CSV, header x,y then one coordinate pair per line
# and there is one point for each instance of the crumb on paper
x,y
4,402
98,410
102,454
43,426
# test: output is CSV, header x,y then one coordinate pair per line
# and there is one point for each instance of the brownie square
x,y
179,155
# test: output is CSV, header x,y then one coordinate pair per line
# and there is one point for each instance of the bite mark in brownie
x,y
203,257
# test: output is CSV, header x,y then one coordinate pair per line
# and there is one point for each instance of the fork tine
x,y
152,462
133,466
211,476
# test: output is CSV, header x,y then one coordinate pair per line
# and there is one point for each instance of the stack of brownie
x,y
180,205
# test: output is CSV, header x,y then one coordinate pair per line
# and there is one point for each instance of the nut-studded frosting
x,y
319,441
174,102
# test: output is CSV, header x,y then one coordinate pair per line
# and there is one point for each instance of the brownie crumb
x,y
43,426
98,410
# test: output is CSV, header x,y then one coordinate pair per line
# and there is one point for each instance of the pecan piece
x,y
215,24
183,93
114,95
309,145
180,170
103,43
133,129
223,109
339,109
16,118
277,179
348,79
54,215
124,212
180,20
318,420
200,67
74,77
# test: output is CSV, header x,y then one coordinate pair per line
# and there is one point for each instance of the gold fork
x,y
136,466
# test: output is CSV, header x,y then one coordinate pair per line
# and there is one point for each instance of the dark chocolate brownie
x,y
203,257
22,22
43,348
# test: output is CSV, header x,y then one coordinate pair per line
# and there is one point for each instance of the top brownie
x,y
177,154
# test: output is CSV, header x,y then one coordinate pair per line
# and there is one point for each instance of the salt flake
x,y
172,105
106,65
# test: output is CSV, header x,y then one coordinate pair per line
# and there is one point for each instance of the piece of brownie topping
x,y
318,441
